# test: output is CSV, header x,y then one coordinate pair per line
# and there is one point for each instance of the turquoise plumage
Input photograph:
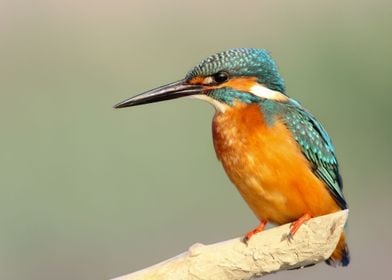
x,y
317,146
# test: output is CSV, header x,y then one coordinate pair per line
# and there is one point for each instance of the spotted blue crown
x,y
242,62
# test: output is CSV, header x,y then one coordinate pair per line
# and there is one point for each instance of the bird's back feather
x,y
317,147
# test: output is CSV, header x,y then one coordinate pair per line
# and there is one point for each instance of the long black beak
x,y
166,92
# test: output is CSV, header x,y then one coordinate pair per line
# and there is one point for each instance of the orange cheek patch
x,y
242,83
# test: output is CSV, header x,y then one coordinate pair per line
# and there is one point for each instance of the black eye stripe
x,y
221,77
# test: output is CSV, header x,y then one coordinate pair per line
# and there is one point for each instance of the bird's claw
x,y
259,228
290,237
296,225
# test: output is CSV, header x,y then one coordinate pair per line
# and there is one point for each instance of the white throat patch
x,y
219,106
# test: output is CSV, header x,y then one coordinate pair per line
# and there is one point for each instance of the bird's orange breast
x,y
267,166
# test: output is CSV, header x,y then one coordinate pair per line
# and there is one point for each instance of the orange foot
x,y
259,228
297,224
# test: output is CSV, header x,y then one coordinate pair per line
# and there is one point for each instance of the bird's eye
x,y
221,77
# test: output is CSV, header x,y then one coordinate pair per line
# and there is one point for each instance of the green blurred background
x,y
89,192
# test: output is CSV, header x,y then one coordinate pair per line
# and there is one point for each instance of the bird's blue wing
x,y
317,147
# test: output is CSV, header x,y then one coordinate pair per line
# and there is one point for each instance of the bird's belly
x,y
268,169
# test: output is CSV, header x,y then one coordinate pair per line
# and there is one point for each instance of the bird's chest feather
x,y
265,163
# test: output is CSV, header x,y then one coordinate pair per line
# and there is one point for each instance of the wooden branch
x,y
267,252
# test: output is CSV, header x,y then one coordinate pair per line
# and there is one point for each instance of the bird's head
x,y
238,75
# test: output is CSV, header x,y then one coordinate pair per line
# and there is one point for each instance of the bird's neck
x,y
247,114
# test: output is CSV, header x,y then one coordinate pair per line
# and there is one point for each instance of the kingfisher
x,y
274,151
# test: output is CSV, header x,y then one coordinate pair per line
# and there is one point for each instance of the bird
x,y
276,153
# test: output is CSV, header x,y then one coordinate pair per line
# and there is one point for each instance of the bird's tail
x,y
341,255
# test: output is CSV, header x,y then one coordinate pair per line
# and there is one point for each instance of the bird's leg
x,y
259,228
297,224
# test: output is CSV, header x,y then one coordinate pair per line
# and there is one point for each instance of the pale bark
x,y
267,252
